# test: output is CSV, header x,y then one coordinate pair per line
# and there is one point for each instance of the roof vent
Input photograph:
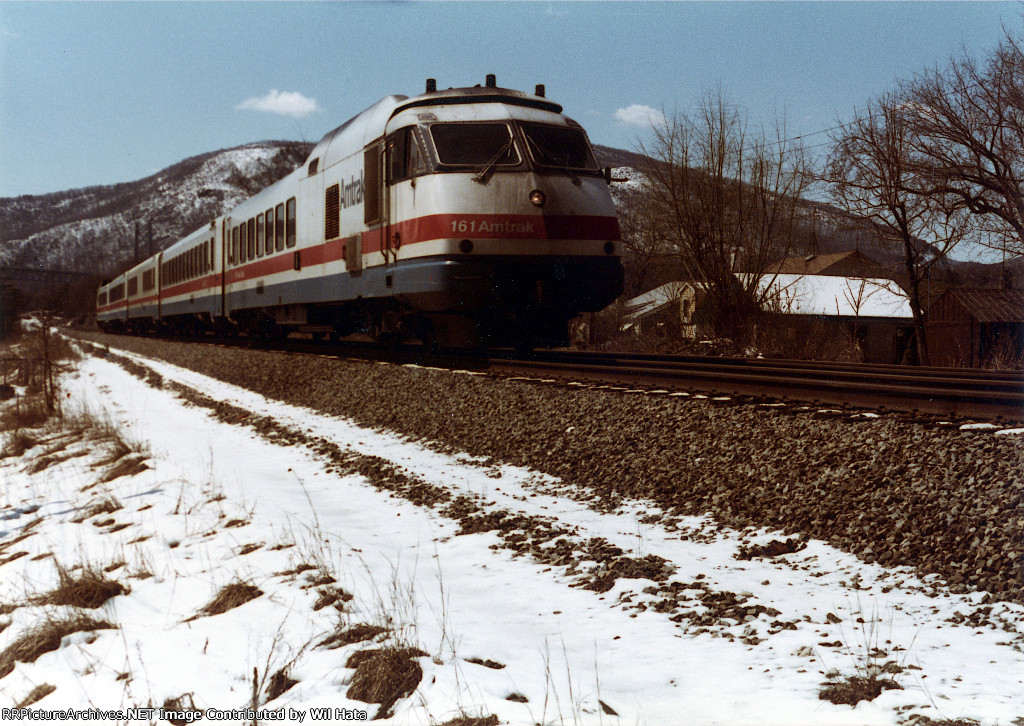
x,y
431,85
492,80
539,91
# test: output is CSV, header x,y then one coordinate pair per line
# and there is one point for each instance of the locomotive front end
x,y
504,213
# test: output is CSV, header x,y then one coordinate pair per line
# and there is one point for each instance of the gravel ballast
x,y
944,500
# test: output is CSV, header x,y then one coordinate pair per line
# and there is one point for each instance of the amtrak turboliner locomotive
x,y
462,217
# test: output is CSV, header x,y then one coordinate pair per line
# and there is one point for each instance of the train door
x,y
405,161
373,200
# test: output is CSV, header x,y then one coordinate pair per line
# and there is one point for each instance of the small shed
x,y
972,327
667,308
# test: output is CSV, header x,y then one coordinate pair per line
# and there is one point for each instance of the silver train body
x,y
462,217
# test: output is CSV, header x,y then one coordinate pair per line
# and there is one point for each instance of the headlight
x,y
537,198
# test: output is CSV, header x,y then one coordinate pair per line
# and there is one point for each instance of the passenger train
x,y
460,217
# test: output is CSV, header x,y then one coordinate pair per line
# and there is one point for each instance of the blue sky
x,y
100,93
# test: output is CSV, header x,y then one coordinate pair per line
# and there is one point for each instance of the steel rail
x,y
949,392
942,392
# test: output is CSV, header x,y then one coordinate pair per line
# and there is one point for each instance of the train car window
x,y
213,253
102,299
332,212
371,185
279,227
147,280
314,165
473,144
290,223
133,286
204,258
559,147
243,242
259,235
234,245
252,238
270,231
405,157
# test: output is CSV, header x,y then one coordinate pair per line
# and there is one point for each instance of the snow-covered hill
x,y
94,229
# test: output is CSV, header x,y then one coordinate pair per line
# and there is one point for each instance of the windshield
x,y
474,144
559,146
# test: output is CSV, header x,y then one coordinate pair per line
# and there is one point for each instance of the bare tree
x,y
968,124
645,245
727,201
873,176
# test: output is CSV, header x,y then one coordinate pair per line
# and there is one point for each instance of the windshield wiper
x,y
485,174
544,155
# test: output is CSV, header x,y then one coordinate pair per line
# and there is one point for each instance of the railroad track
x,y
953,392
948,392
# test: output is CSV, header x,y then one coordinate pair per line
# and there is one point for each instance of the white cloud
x,y
640,115
285,103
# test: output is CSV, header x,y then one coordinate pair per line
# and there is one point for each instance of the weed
x,y
279,683
127,465
46,637
333,596
230,596
88,588
107,504
180,704
17,444
276,678
36,694
28,412
466,720
384,676
353,634
872,672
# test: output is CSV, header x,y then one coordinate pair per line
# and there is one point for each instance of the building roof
x,y
835,296
851,262
991,306
653,300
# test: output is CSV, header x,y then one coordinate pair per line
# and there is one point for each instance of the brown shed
x,y
974,327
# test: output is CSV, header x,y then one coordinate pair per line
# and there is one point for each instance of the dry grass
x,y
36,694
464,720
354,634
854,689
384,676
87,588
279,684
230,597
44,638
17,444
25,413
128,465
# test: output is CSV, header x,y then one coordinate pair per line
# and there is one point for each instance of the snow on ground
x,y
219,503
